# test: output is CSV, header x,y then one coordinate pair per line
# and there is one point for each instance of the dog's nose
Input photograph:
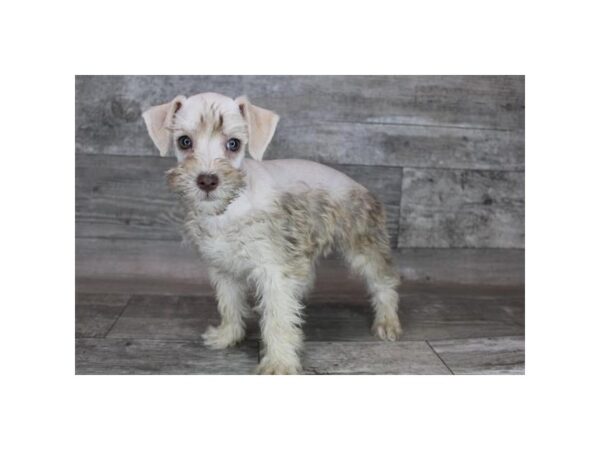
x,y
207,182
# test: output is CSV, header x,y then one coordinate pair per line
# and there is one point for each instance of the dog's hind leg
x,y
231,300
366,249
382,281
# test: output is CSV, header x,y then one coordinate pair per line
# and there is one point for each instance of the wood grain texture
x,y
124,197
401,145
164,357
483,356
434,314
127,197
480,266
374,128
170,317
457,208
168,267
420,121
424,316
467,330
355,358
166,317
95,314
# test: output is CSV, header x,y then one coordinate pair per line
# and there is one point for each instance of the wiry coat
x,y
267,224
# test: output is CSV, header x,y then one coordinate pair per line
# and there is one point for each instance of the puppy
x,y
262,225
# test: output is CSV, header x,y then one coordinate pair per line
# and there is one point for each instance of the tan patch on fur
x,y
311,224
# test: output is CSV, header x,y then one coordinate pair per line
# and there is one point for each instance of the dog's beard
x,y
182,181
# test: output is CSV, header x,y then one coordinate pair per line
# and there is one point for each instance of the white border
x,y
45,406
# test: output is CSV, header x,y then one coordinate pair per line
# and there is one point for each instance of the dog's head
x,y
210,134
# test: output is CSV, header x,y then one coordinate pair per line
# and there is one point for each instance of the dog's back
x,y
294,174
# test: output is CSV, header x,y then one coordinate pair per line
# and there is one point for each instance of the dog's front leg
x,y
231,300
280,322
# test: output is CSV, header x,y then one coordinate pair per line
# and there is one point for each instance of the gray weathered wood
x,y
496,355
345,358
478,266
139,266
401,145
415,122
95,314
339,318
471,330
170,317
453,316
433,314
168,267
127,197
456,208
124,197
152,356
444,121
424,315
165,317
479,101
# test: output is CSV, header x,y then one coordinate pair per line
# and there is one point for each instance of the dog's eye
x,y
233,145
184,142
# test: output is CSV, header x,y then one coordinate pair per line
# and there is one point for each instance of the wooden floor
x,y
447,330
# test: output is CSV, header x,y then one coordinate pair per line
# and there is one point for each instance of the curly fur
x,y
266,226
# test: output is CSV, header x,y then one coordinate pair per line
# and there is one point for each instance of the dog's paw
x,y
223,336
270,367
388,329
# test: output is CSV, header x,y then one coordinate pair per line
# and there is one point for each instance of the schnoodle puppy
x,y
262,225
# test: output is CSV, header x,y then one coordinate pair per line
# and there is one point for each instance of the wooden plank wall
x,y
444,153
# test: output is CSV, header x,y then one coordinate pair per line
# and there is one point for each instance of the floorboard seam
x,y
118,317
495,336
440,358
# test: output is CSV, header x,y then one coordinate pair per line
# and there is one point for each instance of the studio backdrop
x,y
445,154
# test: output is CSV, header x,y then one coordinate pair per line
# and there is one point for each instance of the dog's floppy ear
x,y
261,126
158,120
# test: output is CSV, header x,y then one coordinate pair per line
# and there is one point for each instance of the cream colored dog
x,y
263,224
